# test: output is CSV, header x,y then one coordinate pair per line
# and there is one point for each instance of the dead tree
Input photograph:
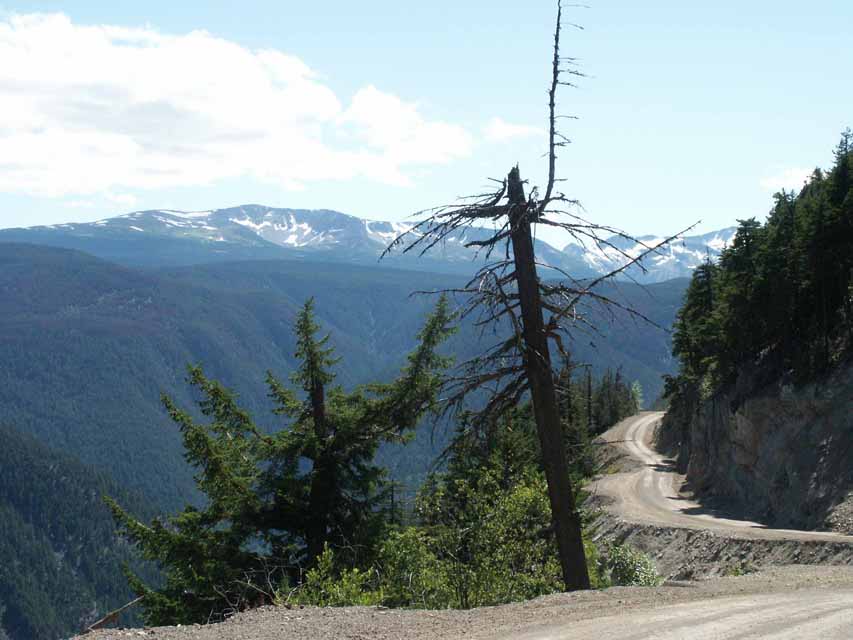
x,y
507,294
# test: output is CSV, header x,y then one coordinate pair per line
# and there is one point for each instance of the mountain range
x,y
250,232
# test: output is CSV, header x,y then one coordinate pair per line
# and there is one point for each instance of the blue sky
x,y
691,111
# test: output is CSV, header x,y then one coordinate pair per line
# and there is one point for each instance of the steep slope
x,y
780,453
762,409
249,232
87,347
60,563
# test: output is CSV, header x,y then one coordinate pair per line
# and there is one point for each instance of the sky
x,y
689,112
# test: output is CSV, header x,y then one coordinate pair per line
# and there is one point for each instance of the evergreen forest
x,y
779,303
60,560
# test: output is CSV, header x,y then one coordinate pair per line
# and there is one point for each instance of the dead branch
x,y
112,616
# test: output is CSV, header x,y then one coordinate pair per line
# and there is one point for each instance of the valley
x,y
134,332
88,346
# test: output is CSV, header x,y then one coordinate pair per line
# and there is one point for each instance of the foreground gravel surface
x,y
808,602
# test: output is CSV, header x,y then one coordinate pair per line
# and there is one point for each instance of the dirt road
x,y
654,493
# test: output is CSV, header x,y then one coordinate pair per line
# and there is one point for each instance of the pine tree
x,y
636,396
274,501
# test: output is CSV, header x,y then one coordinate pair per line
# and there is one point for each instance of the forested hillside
x,y
88,347
60,560
781,297
761,411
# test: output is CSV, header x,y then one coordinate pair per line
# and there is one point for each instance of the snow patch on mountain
x,y
675,259
386,232
190,215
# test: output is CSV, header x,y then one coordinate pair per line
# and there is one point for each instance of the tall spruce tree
x,y
275,499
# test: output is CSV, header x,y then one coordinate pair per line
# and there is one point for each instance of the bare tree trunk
x,y
537,362
590,423
522,363
322,480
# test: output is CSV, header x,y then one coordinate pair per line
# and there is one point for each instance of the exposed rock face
x,y
781,454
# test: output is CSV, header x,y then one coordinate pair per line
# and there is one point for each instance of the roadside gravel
x,y
537,618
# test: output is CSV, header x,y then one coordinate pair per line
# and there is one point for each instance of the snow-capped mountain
x,y
675,260
318,230
255,231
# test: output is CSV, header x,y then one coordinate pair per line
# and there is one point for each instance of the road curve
x,y
654,493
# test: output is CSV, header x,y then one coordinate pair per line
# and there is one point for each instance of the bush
x,y
741,568
518,558
411,574
623,566
325,587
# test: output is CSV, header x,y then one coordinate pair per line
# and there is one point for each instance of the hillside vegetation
x,y
304,514
781,297
60,561
88,347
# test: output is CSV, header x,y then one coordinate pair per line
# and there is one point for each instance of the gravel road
x,y
652,492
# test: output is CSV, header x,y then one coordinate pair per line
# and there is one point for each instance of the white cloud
x,y
103,109
81,204
792,178
124,199
498,130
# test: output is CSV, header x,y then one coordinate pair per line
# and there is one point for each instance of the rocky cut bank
x,y
778,452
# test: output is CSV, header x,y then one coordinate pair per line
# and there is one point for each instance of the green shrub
x,y
326,587
411,574
741,568
624,566
518,559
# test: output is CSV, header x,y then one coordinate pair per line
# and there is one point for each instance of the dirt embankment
x,y
691,554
